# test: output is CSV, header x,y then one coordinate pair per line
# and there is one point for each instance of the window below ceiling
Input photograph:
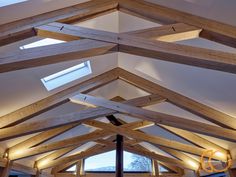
x,y
10,2
40,43
132,163
216,175
72,169
66,76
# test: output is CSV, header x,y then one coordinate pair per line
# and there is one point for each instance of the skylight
x,y
10,2
43,42
66,76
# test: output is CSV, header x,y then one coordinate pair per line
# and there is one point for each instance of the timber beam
x,y
57,99
157,117
22,29
56,53
78,117
177,53
74,141
212,30
188,104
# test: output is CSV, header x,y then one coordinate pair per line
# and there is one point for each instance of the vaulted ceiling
x,y
119,71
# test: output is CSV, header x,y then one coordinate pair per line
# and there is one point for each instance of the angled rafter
x,y
177,53
177,99
134,142
78,140
216,31
130,148
17,36
215,37
194,139
140,150
45,55
40,138
157,117
64,151
89,10
188,136
169,33
57,99
180,31
64,31
157,157
193,56
181,156
175,153
55,155
213,30
148,138
22,29
183,54
49,123
172,152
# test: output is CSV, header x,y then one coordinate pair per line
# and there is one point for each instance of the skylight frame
x,y
41,43
67,76
65,71
5,3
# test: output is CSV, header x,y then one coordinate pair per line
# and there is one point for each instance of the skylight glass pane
x,y
66,76
43,42
66,71
132,163
9,2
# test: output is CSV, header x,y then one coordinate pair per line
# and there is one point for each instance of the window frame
x,y
113,172
66,76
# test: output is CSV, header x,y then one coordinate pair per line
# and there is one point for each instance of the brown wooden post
x,y
80,168
6,171
119,156
155,168
119,147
